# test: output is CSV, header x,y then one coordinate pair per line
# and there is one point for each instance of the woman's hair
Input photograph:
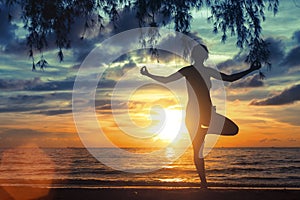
x,y
200,51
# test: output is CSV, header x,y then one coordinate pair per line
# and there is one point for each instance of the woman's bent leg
x,y
222,125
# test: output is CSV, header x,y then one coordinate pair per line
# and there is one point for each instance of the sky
x,y
36,106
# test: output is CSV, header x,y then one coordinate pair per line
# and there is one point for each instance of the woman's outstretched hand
x,y
144,71
255,65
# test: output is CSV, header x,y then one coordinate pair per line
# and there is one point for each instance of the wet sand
x,y
164,193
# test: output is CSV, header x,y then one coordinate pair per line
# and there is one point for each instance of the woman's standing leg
x,y
197,135
198,145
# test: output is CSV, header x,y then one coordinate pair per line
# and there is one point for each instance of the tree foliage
x,y
45,19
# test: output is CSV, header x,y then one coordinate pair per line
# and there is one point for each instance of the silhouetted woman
x,y
198,85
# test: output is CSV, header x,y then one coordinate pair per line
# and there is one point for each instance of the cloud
x,y
16,44
11,42
276,48
115,73
7,29
118,106
127,66
248,82
292,58
27,108
28,99
66,84
54,112
127,20
288,115
135,105
40,98
296,36
14,137
232,65
47,104
11,84
123,58
266,140
37,85
287,96
292,140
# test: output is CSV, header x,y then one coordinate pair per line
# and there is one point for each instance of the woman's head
x,y
199,53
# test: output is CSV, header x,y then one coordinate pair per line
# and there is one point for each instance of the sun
x,y
170,123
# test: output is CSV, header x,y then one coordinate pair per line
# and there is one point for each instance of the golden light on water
x,y
34,159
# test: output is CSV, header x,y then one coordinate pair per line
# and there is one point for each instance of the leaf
x,y
44,19
60,55
261,75
33,67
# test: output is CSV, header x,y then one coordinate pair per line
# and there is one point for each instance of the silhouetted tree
x,y
45,19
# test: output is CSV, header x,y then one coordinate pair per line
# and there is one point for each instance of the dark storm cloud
x,y
287,96
248,82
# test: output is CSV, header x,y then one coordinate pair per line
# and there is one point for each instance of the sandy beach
x,y
8,193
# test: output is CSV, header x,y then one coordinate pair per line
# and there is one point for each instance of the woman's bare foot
x,y
203,185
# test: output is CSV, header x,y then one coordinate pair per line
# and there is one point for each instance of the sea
x,y
77,167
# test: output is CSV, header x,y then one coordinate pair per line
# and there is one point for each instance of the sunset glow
x,y
36,107
171,127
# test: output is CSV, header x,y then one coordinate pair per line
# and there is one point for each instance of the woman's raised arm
x,y
233,77
162,79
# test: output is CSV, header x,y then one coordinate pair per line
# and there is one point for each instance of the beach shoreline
x,y
144,193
